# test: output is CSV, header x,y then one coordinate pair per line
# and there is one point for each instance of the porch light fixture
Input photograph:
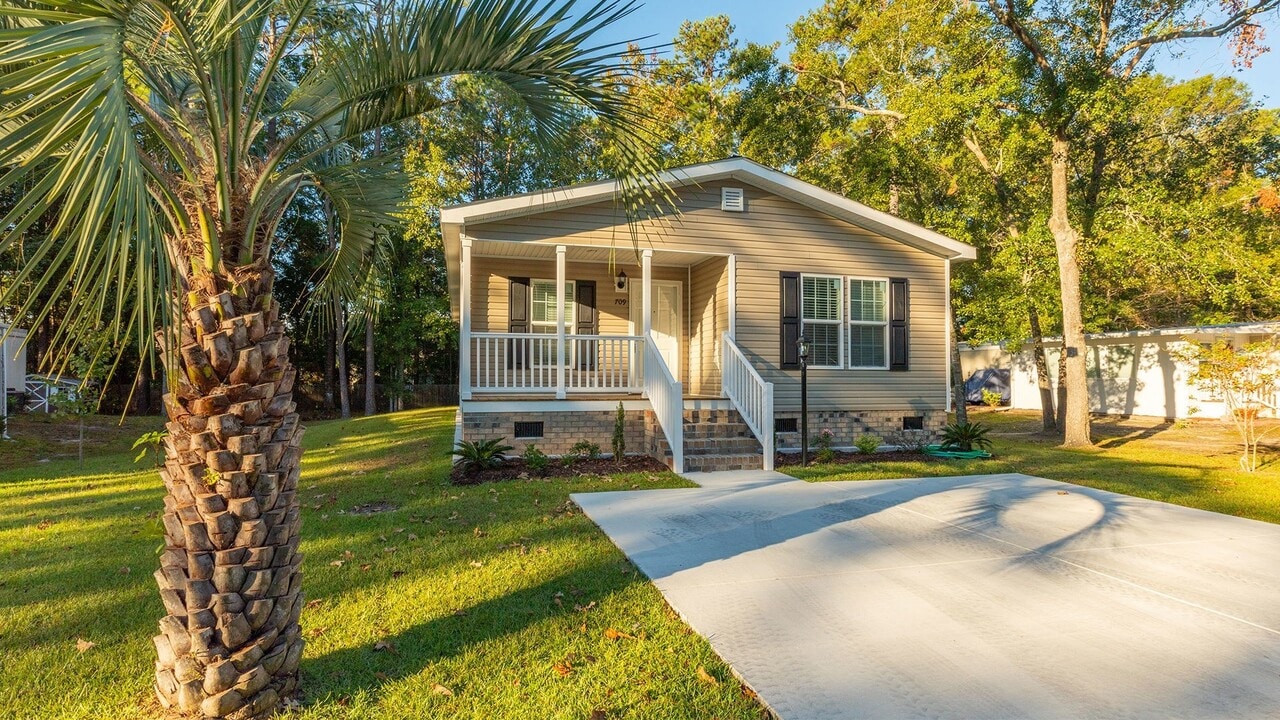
x,y
802,345
620,281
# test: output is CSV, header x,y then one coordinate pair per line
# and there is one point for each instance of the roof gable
x,y
736,168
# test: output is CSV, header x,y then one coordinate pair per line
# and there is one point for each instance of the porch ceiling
x,y
623,255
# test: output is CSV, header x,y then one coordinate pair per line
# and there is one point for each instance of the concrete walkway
x,y
1001,596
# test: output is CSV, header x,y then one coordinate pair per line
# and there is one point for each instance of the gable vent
x,y
732,199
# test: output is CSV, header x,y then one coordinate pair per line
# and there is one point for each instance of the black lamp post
x,y
803,346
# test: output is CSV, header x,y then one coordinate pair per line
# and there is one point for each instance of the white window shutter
x,y
732,199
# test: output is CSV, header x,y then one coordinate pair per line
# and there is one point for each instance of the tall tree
x,y
1075,56
174,142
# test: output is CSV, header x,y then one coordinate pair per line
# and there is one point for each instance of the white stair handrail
x,y
667,399
751,396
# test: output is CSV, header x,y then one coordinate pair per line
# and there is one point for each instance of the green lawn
x,y
1191,464
492,601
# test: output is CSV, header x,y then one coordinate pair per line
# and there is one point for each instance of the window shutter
x,y
588,323
518,322
899,312
789,305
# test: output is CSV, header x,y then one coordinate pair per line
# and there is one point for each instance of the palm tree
x,y
167,138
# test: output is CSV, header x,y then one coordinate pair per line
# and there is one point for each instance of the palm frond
x,y
64,89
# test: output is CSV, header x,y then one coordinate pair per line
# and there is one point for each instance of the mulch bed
x,y
516,469
793,459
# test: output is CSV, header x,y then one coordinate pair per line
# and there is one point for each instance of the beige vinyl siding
x,y
709,319
774,235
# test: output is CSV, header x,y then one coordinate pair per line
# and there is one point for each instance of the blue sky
x,y
766,22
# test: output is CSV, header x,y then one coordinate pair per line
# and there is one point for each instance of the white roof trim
x,y
737,168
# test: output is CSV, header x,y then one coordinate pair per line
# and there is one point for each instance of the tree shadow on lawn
x,y
369,667
1120,440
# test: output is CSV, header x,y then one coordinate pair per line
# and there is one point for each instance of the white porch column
x,y
560,329
464,331
646,305
646,297
733,297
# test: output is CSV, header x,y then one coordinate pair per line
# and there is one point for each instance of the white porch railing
x,y
528,362
751,396
667,399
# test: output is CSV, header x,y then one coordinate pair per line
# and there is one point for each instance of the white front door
x,y
665,316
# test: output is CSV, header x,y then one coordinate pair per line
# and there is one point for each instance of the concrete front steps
x,y
716,440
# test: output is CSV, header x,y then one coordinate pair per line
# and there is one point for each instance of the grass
x,y
1192,464
492,601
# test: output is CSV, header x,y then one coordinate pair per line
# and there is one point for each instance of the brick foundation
x,y
561,430
849,425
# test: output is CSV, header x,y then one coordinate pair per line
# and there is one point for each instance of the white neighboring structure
x,y
1136,372
13,363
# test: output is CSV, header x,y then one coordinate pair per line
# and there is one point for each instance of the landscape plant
x,y
169,138
866,444
966,436
481,455
823,442
583,450
992,398
1247,379
535,459
620,434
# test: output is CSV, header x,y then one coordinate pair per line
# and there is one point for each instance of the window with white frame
x,y
868,323
822,319
544,320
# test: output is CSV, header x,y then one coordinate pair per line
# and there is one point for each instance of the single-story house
x,y
1136,372
696,330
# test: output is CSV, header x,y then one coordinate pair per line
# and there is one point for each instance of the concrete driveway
x,y
999,596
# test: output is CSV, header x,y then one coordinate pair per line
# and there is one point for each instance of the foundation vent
x,y
528,430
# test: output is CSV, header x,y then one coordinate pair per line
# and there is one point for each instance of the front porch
x,y
611,302
558,323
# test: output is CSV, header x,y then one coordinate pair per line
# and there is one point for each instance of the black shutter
x,y
588,323
899,312
789,305
518,321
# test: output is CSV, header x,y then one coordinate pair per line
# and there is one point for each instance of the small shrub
x,y
992,398
483,455
151,443
825,439
825,455
582,450
966,436
620,433
867,444
535,459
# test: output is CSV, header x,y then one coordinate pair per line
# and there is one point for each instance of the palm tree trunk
x,y
370,403
1075,424
229,577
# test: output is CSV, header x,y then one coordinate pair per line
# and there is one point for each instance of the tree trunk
x,y
344,376
229,577
330,381
1075,425
370,402
895,198
958,394
1047,419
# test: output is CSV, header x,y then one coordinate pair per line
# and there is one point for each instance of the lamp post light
x,y
803,346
